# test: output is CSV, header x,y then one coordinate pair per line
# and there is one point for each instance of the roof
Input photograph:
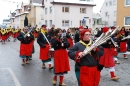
x,y
37,1
74,2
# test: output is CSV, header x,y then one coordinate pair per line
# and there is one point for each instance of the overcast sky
x,y
6,6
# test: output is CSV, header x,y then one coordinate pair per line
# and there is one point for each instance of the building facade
x,y
67,13
33,11
108,12
6,23
123,13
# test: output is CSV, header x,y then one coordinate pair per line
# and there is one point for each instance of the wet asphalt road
x,y
13,74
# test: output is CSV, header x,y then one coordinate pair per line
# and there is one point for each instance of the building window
x,y
50,23
82,10
46,22
45,10
106,4
106,14
50,9
65,9
110,3
114,2
127,21
114,13
127,2
65,22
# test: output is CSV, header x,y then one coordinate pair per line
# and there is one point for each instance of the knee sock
x,y
112,70
55,77
61,78
50,64
124,55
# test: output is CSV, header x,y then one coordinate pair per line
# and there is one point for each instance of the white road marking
x,y
17,83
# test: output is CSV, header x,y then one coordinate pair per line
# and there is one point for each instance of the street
x,y
12,73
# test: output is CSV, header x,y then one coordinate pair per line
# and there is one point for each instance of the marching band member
x,y
3,36
107,59
32,45
15,34
44,48
115,48
86,68
25,51
61,60
69,37
37,30
123,43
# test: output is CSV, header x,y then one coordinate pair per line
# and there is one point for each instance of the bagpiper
x,y
25,49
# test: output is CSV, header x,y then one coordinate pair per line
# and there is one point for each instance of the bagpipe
x,y
102,39
28,32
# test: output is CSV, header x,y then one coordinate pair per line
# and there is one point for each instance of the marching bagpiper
x,y
107,60
25,49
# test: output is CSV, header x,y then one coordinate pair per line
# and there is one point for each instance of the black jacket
x,y
56,43
26,40
41,40
87,60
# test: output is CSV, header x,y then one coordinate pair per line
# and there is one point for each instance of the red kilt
x,y
123,47
15,35
31,46
114,51
61,61
44,52
107,59
3,37
89,76
70,42
25,50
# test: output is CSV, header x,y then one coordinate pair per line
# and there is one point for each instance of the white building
x,y
108,12
6,23
68,13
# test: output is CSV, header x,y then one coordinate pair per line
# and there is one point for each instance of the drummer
x,y
44,47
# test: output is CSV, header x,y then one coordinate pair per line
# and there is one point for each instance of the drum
x,y
51,52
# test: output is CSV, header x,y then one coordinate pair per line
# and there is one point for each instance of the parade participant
x,y
123,43
69,37
44,48
3,36
107,60
77,34
32,45
25,51
51,32
115,48
37,30
61,60
86,68
15,33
